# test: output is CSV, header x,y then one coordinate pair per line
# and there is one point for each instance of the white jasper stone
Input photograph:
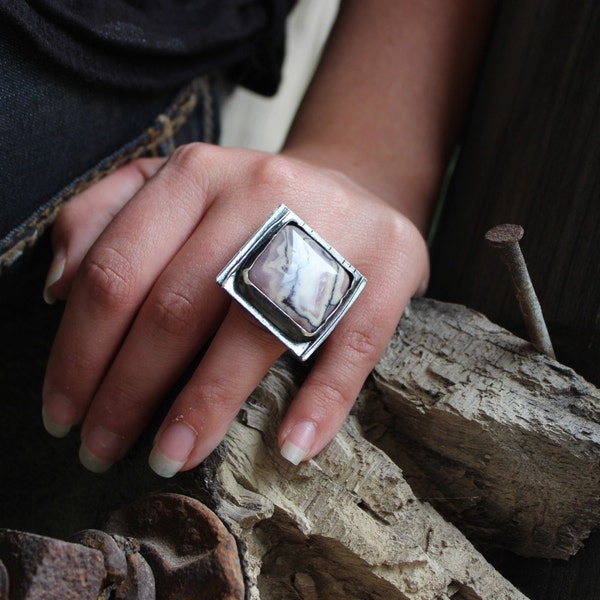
x,y
300,277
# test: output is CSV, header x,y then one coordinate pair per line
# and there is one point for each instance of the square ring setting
x,y
292,281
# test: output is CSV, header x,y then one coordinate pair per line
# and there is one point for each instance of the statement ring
x,y
292,281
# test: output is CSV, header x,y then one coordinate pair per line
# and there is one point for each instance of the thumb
x,y
82,220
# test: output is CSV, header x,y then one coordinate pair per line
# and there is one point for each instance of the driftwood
x,y
503,440
344,525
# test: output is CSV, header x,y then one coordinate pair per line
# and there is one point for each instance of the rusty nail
x,y
505,238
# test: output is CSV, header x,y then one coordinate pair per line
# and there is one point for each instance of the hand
x,y
136,256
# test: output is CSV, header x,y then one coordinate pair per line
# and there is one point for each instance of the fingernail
x,y
55,272
91,462
53,428
299,442
172,449
58,414
100,449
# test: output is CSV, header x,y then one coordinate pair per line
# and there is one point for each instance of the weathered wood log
x,y
503,440
344,525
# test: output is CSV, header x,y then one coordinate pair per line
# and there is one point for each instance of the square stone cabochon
x,y
292,281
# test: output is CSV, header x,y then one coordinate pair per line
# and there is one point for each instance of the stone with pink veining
x,y
300,277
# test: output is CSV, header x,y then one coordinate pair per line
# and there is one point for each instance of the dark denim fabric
x,y
59,134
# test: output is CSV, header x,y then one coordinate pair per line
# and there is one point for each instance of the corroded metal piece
x,y
115,563
166,546
505,238
128,575
139,584
42,567
187,546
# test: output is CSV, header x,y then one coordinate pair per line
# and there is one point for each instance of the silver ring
x,y
292,281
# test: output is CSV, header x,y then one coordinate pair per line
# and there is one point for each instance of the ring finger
x,y
237,359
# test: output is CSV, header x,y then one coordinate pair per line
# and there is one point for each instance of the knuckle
x,y
128,401
392,230
108,276
330,397
363,343
190,160
404,236
173,312
275,172
82,368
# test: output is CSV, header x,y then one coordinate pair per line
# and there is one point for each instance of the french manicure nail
x,y
100,448
91,462
57,268
54,429
172,449
58,414
299,442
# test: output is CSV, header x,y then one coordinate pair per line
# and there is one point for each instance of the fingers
x,y
239,356
83,219
180,313
142,301
243,351
110,286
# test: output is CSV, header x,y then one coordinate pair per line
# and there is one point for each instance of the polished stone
x,y
300,277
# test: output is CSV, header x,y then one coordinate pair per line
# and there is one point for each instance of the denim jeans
x,y
58,135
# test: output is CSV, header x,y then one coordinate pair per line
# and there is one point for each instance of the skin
x,y
136,255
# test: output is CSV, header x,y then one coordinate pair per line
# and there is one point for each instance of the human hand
x,y
136,256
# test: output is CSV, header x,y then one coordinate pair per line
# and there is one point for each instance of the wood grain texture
x,y
344,525
503,440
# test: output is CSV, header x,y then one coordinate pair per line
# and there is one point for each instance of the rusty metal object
x,y
139,583
41,567
115,563
505,238
165,546
190,551
128,575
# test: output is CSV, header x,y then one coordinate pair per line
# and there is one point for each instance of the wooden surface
x,y
532,156
503,440
344,525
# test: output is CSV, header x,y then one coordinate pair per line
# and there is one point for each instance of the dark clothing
x,y
58,134
98,82
156,44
